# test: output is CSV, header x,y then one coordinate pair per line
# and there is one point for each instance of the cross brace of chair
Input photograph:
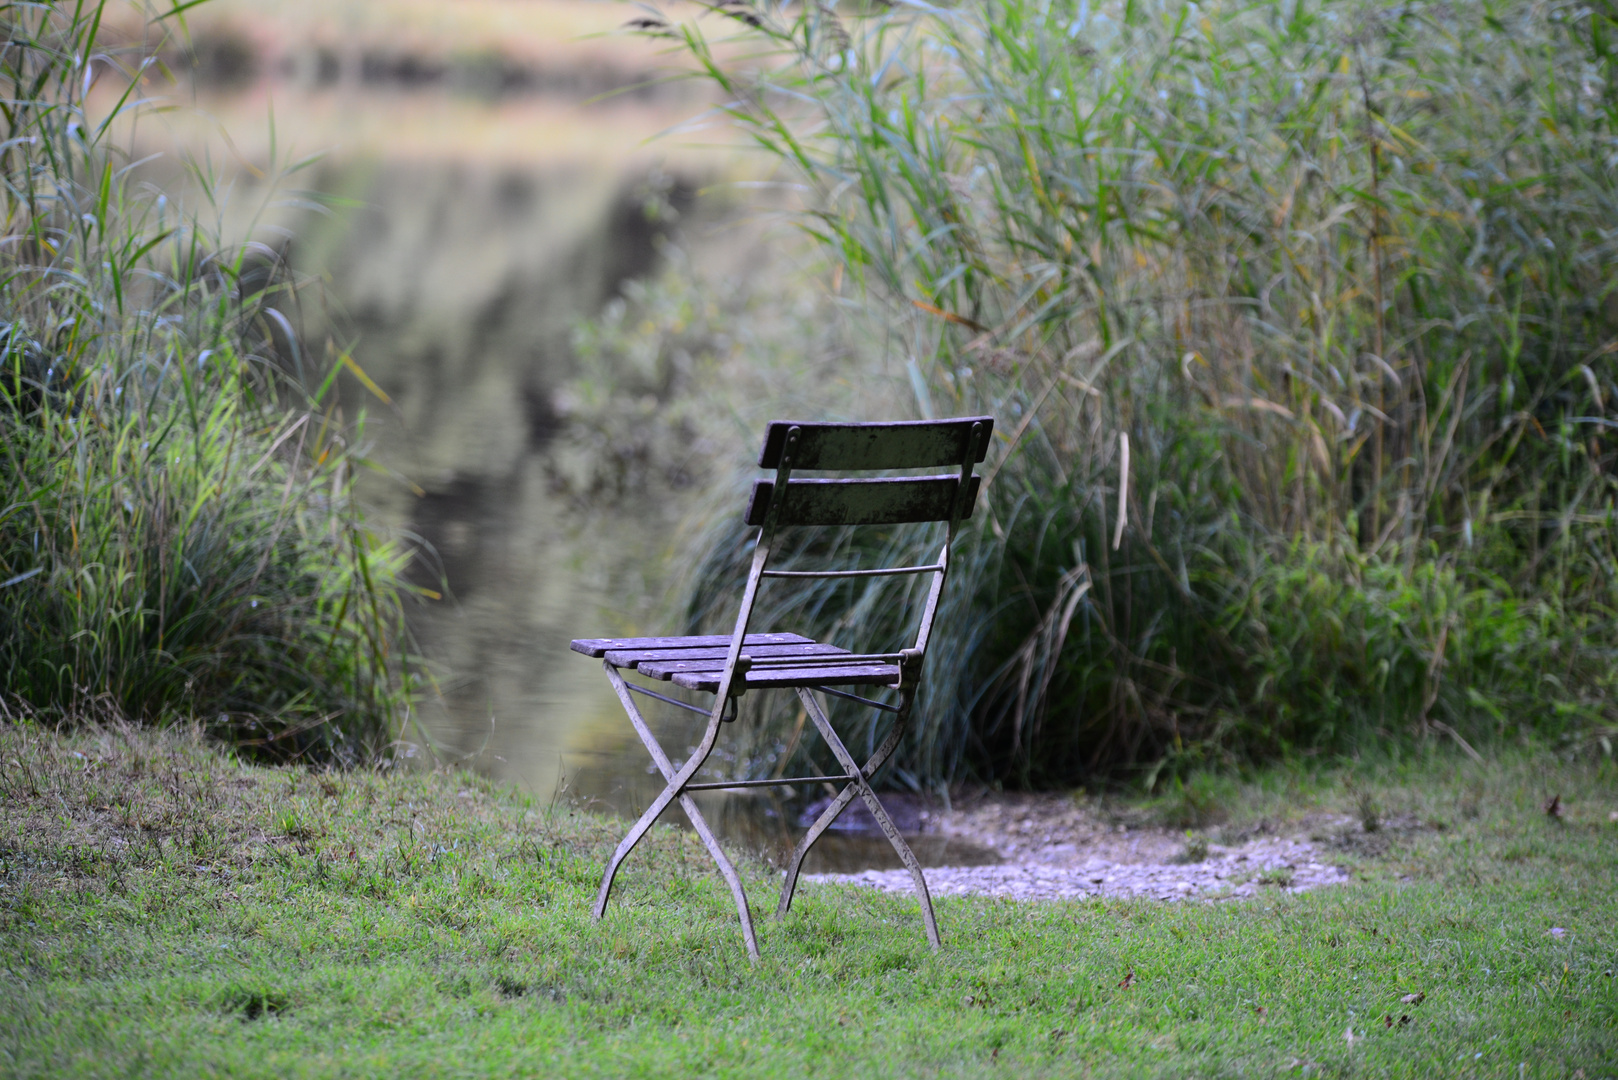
x,y
785,781
855,780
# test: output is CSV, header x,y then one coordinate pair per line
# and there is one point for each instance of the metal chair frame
x,y
790,661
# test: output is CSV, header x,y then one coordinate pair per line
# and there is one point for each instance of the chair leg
x,y
829,815
689,805
874,804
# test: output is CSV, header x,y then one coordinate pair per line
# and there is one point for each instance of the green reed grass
x,y
1338,274
178,533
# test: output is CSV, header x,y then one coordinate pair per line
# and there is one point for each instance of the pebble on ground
x,y
1052,849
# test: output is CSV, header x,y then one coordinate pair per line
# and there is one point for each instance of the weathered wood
x,y
774,678
914,444
830,657
887,501
662,669
598,647
631,657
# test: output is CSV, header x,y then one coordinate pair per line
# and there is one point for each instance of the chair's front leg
x,y
689,805
659,804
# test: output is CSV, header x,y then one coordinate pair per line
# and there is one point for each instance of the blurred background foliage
x,y
1299,325
178,536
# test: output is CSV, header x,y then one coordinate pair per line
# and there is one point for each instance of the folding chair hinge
x,y
738,682
910,667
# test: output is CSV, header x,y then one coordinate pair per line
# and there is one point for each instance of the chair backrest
x,y
790,446
908,444
785,501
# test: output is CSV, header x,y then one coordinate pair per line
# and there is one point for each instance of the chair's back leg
x,y
874,804
727,680
879,758
799,853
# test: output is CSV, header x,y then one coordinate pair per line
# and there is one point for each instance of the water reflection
x,y
470,370
460,286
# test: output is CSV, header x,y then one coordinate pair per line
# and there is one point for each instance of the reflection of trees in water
x,y
459,287
231,56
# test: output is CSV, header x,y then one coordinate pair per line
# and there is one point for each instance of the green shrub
x,y
1341,279
177,533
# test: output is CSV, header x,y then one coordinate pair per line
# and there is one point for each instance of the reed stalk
x,y
178,535
1341,273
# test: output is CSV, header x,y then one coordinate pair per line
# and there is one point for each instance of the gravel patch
x,y
1287,865
1054,849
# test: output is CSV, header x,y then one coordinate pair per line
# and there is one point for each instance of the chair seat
x,y
697,663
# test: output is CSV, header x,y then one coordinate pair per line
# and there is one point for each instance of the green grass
x,y
166,910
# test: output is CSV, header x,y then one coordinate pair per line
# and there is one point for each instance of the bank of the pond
x,y
168,910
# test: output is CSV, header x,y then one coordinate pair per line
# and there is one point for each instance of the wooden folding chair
x,y
728,667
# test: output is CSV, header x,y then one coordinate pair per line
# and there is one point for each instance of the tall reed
x,y
1299,322
177,534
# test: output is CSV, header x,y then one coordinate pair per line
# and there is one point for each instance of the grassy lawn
x,y
165,910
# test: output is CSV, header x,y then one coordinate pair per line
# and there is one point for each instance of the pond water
x,y
465,237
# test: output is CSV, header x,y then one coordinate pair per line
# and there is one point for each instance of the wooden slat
x,y
892,501
917,444
662,669
599,646
666,669
774,678
631,657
